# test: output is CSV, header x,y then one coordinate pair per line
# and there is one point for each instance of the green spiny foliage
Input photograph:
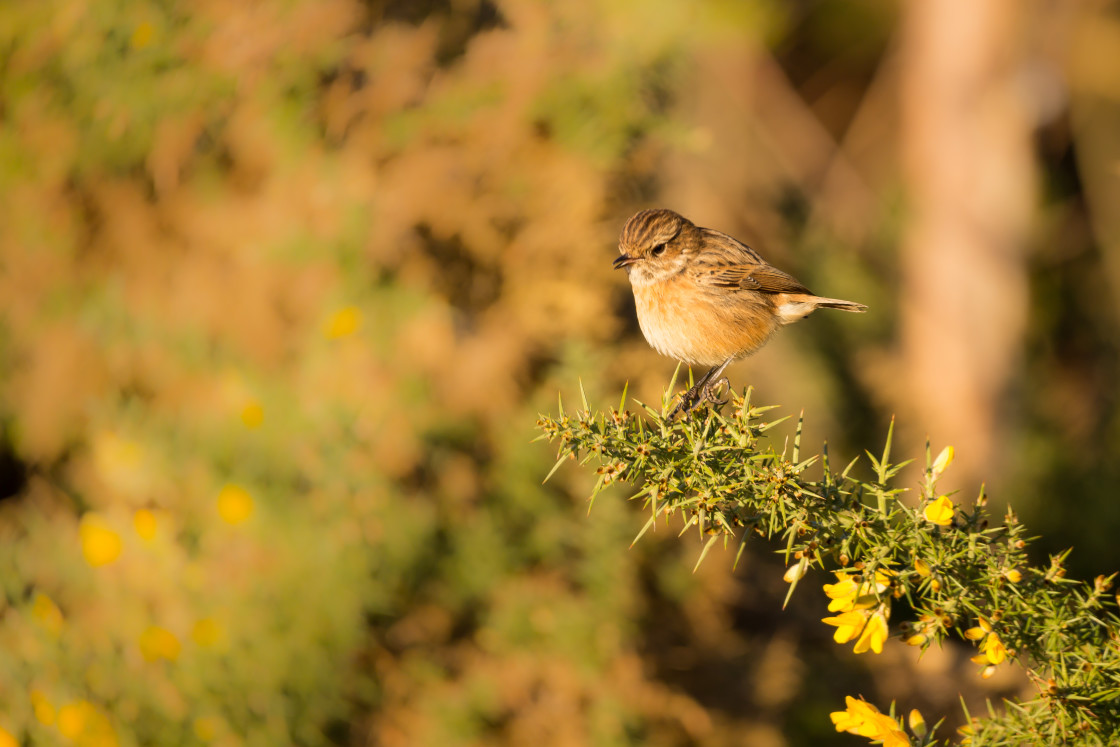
x,y
960,573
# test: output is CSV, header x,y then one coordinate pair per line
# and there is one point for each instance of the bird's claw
x,y
685,405
705,394
708,394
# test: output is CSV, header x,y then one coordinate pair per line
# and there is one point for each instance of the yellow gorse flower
x,y
992,650
848,625
159,643
84,724
252,414
944,459
101,545
918,639
795,572
142,35
206,632
145,523
843,593
863,617
42,707
235,505
72,718
47,613
917,723
983,627
865,720
940,512
850,592
343,323
868,629
874,634
206,728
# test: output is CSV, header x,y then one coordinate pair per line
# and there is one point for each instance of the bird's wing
x,y
729,263
756,277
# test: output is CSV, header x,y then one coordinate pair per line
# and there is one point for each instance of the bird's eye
x,y
658,250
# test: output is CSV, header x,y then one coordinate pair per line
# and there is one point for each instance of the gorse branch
x,y
961,574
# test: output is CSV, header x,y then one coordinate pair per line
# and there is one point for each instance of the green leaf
x,y
704,552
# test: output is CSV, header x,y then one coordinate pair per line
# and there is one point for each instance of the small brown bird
x,y
705,298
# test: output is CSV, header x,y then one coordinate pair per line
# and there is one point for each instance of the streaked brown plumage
x,y
706,298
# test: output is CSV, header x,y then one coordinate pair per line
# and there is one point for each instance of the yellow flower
x,y
252,415
206,728
892,734
843,593
868,629
853,717
343,323
6,739
159,643
982,629
874,633
848,624
44,711
145,523
940,512
944,459
206,632
864,719
100,544
142,36
47,613
235,505
922,568
966,731
1014,576
795,572
85,724
917,723
993,648
72,718
852,593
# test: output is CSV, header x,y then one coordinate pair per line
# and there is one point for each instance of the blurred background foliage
x,y
284,284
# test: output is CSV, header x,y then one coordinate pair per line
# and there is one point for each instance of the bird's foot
x,y
709,392
706,393
688,401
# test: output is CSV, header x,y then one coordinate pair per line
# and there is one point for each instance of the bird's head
x,y
654,245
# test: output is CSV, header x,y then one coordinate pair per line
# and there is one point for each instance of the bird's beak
x,y
623,261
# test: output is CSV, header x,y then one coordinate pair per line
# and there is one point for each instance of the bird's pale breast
x,y
702,325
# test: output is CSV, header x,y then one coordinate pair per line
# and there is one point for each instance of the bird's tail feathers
x,y
840,304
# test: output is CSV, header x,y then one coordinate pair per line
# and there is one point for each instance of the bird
x,y
706,298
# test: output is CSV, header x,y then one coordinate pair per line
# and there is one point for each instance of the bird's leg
x,y
711,383
709,392
703,390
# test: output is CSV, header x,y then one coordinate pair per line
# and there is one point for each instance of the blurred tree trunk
x,y
1094,75
970,182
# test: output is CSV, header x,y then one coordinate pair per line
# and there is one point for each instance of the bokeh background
x,y
285,284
